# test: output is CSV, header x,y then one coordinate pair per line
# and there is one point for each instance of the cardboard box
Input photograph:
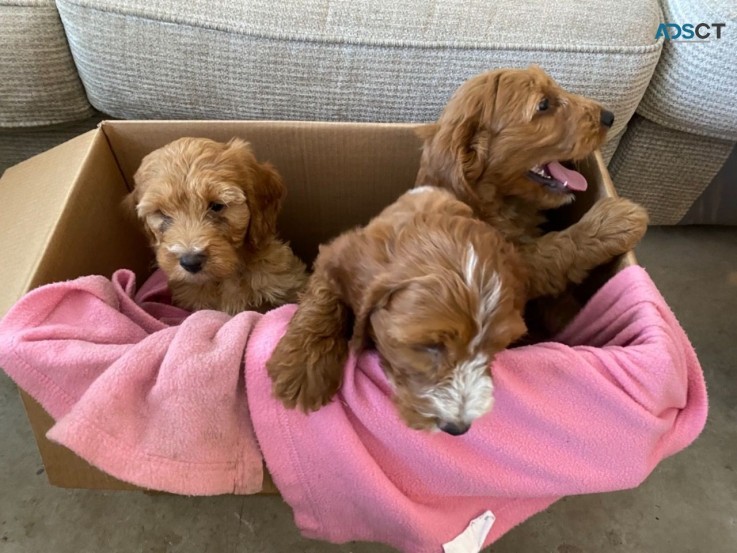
x,y
62,217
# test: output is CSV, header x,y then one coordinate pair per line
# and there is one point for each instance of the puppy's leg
x,y
306,367
612,227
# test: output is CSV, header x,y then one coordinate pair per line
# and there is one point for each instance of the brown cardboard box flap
x,y
33,197
66,219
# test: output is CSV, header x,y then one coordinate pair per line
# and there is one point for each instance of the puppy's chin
x,y
425,416
410,414
409,408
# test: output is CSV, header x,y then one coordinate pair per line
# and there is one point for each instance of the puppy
x,y
438,293
505,144
210,210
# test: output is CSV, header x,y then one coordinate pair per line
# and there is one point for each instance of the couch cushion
x,y
361,60
39,84
665,170
694,88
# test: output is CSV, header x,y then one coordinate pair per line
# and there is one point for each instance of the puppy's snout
x,y
454,429
192,262
607,118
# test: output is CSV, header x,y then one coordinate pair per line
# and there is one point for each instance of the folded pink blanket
x,y
594,413
161,407
165,407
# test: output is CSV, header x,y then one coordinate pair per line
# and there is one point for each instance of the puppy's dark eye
x,y
216,207
543,105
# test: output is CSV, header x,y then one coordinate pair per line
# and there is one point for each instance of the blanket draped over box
x,y
162,400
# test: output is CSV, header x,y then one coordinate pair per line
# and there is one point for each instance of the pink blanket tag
x,y
471,540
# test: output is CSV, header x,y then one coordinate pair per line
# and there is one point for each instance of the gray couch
x,y
63,64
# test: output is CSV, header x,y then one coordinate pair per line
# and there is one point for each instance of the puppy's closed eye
x,y
159,220
431,348
434,355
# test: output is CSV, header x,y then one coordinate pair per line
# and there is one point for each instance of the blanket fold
x,y
183,403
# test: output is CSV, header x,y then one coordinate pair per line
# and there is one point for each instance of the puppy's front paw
x,y
307,377
619,224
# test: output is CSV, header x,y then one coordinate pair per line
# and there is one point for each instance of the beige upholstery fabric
x,y
354,60
665,170
694,88
423,23
39,84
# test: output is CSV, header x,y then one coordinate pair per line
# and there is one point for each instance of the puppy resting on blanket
x,y
210,210
436,290
505,144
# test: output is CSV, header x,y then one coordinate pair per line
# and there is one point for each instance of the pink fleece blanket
x,y
594,413
160,406
164,407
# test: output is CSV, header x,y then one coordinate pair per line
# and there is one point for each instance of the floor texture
x,y
688,505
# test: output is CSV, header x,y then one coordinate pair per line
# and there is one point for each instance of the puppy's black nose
x,y
192,262
607,118
454,429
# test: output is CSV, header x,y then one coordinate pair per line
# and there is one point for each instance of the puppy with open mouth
x,y
507,143
435,290
209,210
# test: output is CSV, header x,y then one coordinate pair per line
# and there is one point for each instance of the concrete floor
x,y
689,504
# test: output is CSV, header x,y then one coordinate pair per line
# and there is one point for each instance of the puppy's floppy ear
x,y
377,296
264,190
356,277
426,132
130,202
140,181
456,148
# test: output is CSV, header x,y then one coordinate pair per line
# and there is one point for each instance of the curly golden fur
x,y
496,130
210,210
437,291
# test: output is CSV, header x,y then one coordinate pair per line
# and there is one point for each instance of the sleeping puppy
x,y
210,210
435,290
506,144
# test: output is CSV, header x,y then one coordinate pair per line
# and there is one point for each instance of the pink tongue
x,y
572,179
